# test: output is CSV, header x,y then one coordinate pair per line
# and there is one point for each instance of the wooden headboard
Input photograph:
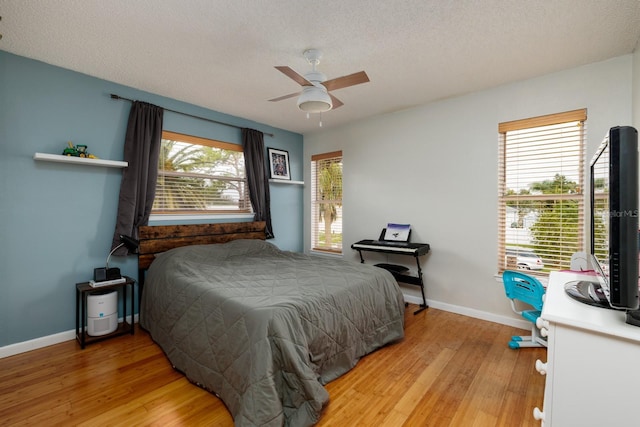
x,y
160,238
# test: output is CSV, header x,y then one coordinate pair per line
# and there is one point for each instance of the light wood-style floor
x,y
449,370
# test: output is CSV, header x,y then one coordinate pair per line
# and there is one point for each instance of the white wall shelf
x,y
286,181
79,160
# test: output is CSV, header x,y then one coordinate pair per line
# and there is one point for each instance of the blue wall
x,y
57,220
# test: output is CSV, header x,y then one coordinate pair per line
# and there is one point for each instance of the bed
x,y
261,328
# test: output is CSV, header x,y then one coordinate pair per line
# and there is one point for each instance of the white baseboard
x,y
466,311
23,347
34,344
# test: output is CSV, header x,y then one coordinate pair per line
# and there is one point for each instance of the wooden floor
x,y
449,370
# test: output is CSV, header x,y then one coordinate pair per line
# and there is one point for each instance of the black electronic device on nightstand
x,y
102,274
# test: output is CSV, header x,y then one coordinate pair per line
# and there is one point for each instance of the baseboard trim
x,y
470,312
34,344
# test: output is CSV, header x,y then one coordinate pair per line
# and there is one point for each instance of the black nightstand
x,y
83,290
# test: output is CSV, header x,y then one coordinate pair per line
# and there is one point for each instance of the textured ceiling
x,y
220,54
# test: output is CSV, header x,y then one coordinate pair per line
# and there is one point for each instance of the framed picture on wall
x,y
279,163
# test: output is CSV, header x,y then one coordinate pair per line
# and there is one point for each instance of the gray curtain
x,y
138,186
257,177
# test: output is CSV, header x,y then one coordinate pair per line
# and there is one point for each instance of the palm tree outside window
x,y
200,176
326,209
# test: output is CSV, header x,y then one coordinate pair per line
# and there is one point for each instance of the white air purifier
x,y
102,313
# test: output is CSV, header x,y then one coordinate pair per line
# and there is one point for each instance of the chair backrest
x,y
522,287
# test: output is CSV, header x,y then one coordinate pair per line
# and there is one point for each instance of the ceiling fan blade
x,y
346,81
280,98
336,102
293,75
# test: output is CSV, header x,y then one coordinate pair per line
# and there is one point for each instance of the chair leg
x,y
533,340
514,344
542,341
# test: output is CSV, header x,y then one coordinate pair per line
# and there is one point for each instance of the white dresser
x,y
593,362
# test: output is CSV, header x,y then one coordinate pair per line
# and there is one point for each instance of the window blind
x,y
326,204
541,191
198,175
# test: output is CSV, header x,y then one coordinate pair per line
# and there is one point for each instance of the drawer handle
x,y
541,323
541,367
538,414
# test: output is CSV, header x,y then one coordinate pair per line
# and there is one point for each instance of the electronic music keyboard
x,y
401,273
415,249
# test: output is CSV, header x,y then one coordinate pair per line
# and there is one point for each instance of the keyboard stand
x,y
419,249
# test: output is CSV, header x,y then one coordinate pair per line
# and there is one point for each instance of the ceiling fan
x,y
315,96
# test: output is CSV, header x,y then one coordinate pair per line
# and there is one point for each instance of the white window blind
x,y
601,207
541,191
326,203
198,175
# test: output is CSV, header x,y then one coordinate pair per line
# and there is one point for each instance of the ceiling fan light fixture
x,y
314,100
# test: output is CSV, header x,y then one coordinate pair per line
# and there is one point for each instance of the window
x,y
326,202
540,191
198,175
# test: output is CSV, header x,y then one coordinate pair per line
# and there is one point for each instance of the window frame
x,y
504,198
315,228
203,214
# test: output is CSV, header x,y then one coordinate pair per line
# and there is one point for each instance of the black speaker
x,y
99,274
113,273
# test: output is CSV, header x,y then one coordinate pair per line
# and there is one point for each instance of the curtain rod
x,y
118,97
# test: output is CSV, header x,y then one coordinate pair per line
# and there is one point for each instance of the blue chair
x,y
521,288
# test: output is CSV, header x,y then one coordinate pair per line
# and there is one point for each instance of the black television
x,y
614,252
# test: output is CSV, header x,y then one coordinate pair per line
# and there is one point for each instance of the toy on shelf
x,y
77,151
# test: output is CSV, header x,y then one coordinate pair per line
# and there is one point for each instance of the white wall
x,y
435,167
